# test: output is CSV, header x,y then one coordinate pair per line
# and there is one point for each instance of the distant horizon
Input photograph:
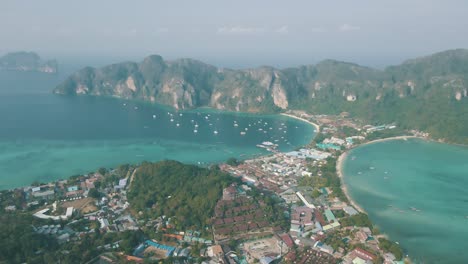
x,y
234,62
237,34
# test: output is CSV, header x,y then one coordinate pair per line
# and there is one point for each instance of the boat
x,y
154,116
136,107
242,133
195,131
177,124
172,120
235,124
216,132
196,125
124,104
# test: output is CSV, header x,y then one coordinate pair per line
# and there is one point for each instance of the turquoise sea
x,y
417,193
44,137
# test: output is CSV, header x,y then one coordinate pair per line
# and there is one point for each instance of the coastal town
x,y
285,207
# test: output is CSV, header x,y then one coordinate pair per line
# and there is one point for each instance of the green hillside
x,y
185,193
428,93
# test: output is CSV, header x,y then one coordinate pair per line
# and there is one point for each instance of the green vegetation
x,y
391,247
335,240
186,193
361,220
332,179
233,162
19,242
385,134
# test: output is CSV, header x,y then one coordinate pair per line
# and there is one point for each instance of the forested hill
x,y
428,93
186,193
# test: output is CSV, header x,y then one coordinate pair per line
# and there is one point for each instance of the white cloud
x,y
240,30
348,27
282,30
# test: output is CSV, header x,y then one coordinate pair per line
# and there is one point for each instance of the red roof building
x,y
365,255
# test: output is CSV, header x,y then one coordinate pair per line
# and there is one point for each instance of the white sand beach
x,y
317,127
339,171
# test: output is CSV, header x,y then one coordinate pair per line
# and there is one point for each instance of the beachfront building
x,y
350,210
334,140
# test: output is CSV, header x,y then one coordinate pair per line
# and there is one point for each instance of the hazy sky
x,y
236,33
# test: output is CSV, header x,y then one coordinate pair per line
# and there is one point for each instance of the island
x,y
27,61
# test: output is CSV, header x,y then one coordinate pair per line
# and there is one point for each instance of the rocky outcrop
x,y
278,93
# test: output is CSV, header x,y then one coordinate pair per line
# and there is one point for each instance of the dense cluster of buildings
x,y
315,212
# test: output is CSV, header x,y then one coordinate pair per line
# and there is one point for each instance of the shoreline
x,y
389,139
317,127
344,188
344,155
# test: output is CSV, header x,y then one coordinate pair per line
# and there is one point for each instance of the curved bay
x,y
44,137
416,192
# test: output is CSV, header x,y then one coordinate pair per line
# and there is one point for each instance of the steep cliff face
x,y
424,88
182,84
188,83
